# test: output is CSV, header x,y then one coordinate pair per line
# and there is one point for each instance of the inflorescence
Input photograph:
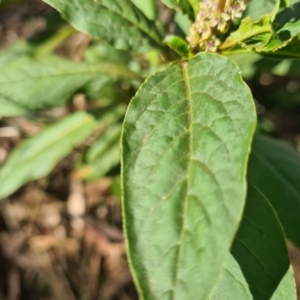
x,y
213,20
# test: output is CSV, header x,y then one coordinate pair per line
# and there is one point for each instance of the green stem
x,y
51,44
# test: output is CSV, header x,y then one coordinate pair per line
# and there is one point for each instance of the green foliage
x,y
202,216
274,168
186,6
60,77
36,157
179,45
201,132
232,284
258,244
129,30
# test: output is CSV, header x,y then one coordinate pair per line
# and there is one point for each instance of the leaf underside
x,y
232,283
186,140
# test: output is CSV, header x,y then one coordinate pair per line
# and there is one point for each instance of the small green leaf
x,y
259,243
185,145
250,35
36,157
117,22
179,45
232,284
183,22
31,84
283,36
274,168
291,50
195,5
181,5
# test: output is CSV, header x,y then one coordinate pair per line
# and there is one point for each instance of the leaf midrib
x,y
92,72
184,68
149,33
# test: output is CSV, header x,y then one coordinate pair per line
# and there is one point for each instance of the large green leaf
x,y
232,284
32,84
259,246
35,157
11,54
117,22
286,288
274,167
186,140
8,57
148,7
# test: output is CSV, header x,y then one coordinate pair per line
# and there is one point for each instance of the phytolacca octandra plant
x,y
212,21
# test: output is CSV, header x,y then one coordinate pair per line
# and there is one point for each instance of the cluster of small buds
x,y
213,19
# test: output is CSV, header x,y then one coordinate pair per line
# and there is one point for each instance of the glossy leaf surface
x,y
117,22
36,157
274,168
186,141
259,246
179,45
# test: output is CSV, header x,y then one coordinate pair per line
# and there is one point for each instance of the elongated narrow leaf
x,y
274,168
232,284
40,84
286,288
260,243
185,142
36,157
117,22
105,153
